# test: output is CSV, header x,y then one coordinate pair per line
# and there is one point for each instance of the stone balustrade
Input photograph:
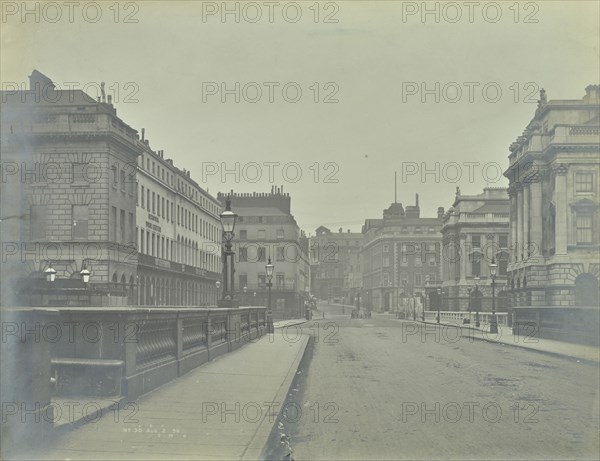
x,y
457,317
126,352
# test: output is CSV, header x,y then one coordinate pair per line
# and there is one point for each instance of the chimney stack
x,y
440,213
143,134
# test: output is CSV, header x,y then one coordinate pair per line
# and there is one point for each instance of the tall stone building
x,y
335,264
178,235
400,255
475,232
554,170
81,190
68,198
266,228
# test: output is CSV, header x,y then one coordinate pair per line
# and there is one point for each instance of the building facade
x,y
178,235
475,233
68,198
83,191
267,229
335,264
554,169
400,256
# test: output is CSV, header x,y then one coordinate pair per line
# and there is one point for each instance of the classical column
x,y
535,235
526,216
464,258
513,220
561,221
519,224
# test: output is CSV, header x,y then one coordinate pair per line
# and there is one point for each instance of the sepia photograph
x,y
350,230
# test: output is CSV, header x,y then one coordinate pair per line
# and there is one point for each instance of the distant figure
x,y
323,314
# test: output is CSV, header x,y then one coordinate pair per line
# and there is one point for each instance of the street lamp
x,y
477,301
85,274
439,292
245,290
469,301
269,268
50,273
254,300
494,320
228,219
218,285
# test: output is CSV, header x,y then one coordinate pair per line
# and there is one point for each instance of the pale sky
x,y
368,59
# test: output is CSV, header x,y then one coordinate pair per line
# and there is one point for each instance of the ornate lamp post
x,y
269,268
50,273
493,320
218,285
469,301
254,300
245,290
228,219
85,276
478,299
439,303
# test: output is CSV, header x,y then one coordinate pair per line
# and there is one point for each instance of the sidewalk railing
x,y
458,317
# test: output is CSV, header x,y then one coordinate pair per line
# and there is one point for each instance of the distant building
x,y
400,255
554,193
335,262
475,232
266,228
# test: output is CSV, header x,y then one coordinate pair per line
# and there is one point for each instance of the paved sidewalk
x,y
223,410
583,353
290,322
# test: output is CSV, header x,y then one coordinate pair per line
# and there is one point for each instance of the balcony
x,y
155,262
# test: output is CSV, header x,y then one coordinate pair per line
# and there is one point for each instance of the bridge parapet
x,y
122,351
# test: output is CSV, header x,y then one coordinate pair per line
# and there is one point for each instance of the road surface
x,y
377,389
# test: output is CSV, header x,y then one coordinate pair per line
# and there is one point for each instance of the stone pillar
x,y
526,217
464,258
535,235
519,225
561,225
513,220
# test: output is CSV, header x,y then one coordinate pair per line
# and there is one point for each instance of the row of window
x,y
261,253
165,208
182,250
405,279
278,280
122,224
412,247
261,234
502,241
119,177
188,190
